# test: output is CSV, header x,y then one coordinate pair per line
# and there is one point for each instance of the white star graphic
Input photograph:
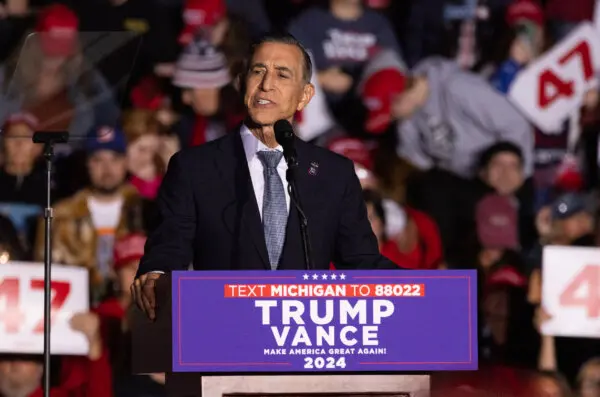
x,y
305,277
333,276
324,277
342,276
315,276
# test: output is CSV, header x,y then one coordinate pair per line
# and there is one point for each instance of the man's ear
x,y
239,83
307,93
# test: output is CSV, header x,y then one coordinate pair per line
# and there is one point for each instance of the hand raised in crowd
x,y
521,51
143,291
335,81
89,325
543,222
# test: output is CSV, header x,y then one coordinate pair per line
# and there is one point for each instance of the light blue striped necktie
x,y
274,213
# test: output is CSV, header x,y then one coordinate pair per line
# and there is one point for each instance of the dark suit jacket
x,y
209,215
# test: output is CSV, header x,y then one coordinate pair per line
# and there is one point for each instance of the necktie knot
x,y
270,158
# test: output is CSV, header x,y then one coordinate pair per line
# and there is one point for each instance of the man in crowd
x,y
451,115
86,224
224,205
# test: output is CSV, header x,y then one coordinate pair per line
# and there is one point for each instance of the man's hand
x,y
143,291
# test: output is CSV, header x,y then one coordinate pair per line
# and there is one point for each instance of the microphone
x,y
284,135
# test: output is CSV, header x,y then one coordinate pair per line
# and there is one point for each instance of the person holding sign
x,y
225,206
21,376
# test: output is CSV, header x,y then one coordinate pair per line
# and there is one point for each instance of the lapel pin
x,y
314,167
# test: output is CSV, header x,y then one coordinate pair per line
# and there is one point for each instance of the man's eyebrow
x,y
258,65
284,69
278,68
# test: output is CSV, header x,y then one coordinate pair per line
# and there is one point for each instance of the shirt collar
x,y
252,145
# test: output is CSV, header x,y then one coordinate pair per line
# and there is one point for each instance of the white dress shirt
x,y
251,146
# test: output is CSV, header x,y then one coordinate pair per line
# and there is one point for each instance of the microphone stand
x,y
295,198
49,139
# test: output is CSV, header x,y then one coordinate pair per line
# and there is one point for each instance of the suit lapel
x,y
293,251
241,213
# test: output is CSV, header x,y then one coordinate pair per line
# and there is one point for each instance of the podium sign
x,y
298,321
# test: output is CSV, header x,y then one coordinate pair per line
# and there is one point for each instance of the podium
x,y
214,332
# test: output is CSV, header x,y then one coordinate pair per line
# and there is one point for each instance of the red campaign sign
x,y
583,291
12,316
571,291
552,82
549,90
22,308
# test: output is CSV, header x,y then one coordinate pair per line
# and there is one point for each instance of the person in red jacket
x,y
21,375
406,236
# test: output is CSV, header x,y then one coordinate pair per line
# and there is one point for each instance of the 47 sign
x,y
571,291
552,87
22,308
13,316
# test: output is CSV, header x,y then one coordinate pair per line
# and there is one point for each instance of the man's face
x,y
495,306
18,144
107,170
590,382
406,104
576,226
546,387
275,86
504,173
19,377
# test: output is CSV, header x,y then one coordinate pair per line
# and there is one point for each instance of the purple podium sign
x,y
298,321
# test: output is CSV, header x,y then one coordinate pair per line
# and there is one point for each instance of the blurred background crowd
x,y
413,91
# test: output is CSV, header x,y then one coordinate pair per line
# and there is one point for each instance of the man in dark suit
x,y
225,205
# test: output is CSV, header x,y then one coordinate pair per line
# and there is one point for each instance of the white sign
x,y
571,291
22,308
551,88
316,117
597,15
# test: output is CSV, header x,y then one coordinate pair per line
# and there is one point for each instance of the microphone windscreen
x,y
284,132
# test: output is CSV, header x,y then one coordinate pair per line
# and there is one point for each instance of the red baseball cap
x,y
128,249
198,14
377,4
147,94
507,276
354,149
377,95
58,25
529,10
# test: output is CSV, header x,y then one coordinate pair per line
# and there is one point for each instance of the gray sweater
x,y
463,115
